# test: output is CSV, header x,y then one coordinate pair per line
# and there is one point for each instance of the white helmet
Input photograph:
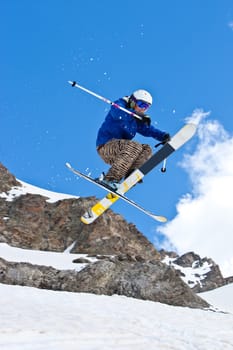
x,y
142,95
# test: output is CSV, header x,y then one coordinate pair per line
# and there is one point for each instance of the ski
x,y
178,140
109,199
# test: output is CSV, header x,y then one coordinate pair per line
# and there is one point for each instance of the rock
x,y
81,261
129,262
155,282
29,221
7,180
188,259
209,280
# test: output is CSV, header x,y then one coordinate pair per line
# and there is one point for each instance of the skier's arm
x,y
151,131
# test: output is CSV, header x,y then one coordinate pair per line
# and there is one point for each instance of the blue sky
x,y
181,51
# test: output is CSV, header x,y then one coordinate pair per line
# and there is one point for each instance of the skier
x,y
114,141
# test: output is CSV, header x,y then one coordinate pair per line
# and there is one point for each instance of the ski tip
x,y
68,165
85,221
160,218
192,126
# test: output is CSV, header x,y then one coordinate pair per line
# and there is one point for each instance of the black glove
x,y
166,138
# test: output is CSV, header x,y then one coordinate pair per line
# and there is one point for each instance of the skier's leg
x,y
143,157
120,154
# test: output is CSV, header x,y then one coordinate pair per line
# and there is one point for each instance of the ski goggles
x,y
141,104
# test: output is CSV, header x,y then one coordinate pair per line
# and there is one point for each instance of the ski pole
x,y
73,83
163,169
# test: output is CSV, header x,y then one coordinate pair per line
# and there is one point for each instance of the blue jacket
x,y
121,125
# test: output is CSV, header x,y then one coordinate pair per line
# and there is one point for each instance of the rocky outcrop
x,y
143,280
7,180
189,259
29,221
205,270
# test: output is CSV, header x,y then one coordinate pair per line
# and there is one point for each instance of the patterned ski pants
x,y
124,156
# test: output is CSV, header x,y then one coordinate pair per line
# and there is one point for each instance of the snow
x,y
25,188
48,320
60,261
221,298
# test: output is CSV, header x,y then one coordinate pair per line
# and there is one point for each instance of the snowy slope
x,y
27,188
47,320
60,261
221,298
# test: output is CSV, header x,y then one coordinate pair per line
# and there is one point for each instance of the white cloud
x,y
197,116
204,220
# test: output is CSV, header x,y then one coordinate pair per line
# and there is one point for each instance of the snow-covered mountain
x,y
36,220
33,318
200,274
